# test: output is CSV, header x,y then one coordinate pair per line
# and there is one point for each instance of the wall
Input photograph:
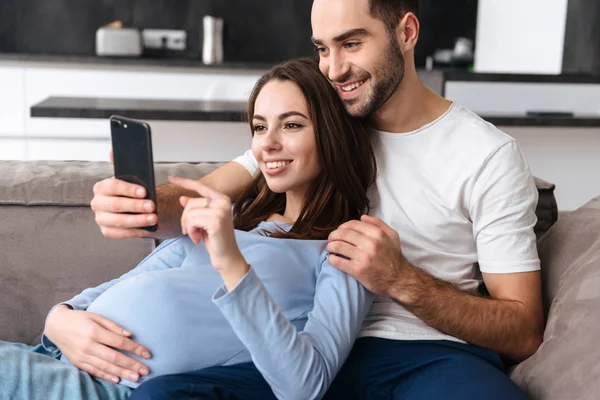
x,y
567,157
582,38
252,32
257,30
517,36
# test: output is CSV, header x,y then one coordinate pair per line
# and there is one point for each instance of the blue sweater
x,y
293,314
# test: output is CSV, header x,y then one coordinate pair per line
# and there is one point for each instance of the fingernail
x,y
150,218
133,377
144,371
139,192
126,332
114,379
145,354
148,206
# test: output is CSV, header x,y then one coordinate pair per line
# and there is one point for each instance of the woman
x,y
260,302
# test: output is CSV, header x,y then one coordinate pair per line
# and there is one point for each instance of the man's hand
x,y
369,250
113,198
89,341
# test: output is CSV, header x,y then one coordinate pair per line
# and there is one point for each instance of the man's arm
x,y
510,321
114,198
230,179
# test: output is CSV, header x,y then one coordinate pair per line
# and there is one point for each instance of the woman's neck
x,y
293,206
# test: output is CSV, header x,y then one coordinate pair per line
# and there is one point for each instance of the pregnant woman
x,y
246,290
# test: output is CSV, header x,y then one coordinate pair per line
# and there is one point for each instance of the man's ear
x,y
407,32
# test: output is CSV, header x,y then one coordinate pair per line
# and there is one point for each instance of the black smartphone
x,y
132,155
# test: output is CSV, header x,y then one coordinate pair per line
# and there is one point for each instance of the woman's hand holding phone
x,y
209,218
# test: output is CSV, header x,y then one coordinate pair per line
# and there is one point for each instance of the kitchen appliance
x,y
212,40
114,40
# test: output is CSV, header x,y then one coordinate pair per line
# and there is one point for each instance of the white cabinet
x,y
13,149
74,81
24,85
67,149
12,100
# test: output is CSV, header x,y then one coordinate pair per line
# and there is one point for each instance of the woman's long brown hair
x,y
345,153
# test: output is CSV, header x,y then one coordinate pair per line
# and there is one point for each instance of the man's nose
x,y
338,68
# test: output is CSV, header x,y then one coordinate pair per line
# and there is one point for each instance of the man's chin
x,y
356,109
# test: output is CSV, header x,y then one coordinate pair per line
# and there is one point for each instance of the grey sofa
x,y
51,249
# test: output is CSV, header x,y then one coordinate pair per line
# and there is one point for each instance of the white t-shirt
x,y
462,198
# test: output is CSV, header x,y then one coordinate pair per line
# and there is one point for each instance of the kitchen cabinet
x,y
25,84
12,100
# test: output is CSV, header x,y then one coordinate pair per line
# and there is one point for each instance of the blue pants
x,y
377,369
33,373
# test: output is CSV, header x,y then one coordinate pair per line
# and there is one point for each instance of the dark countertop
x,y
182,62
232,111
165,110
576,121
457,75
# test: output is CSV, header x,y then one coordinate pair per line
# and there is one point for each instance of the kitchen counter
x,y
164,110
232,111
457,75
180,62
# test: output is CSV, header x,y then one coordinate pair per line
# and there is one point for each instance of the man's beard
x,y
386,78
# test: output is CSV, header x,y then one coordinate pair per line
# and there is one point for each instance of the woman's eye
x,y
259,128
292,125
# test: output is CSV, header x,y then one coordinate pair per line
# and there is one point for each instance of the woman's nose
x,y
271,141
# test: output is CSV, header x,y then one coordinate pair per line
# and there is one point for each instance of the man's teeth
x,y
353,86
277,164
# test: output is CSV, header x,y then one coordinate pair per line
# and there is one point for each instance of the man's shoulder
x,y
472,132
459,145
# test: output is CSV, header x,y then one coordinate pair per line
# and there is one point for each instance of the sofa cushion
x,y
50,246
567,365
71,182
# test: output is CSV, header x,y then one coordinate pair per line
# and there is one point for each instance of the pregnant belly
x,y
171,313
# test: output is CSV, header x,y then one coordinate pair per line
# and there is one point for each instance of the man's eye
x,y
350,45
320,50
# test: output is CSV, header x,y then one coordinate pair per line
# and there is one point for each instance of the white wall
x,y
567,157
520,36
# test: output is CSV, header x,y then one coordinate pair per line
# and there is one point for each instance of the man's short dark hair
x,y
390,12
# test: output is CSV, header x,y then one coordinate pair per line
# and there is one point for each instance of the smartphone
x,y
132,155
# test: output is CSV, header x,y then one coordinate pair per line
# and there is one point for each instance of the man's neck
x,y
411,107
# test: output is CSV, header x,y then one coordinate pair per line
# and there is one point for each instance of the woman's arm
x,y
298,365
281,353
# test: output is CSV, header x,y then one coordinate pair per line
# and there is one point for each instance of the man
x,y
454,202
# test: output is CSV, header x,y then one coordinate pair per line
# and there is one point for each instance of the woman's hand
x,y
89,341
209,218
